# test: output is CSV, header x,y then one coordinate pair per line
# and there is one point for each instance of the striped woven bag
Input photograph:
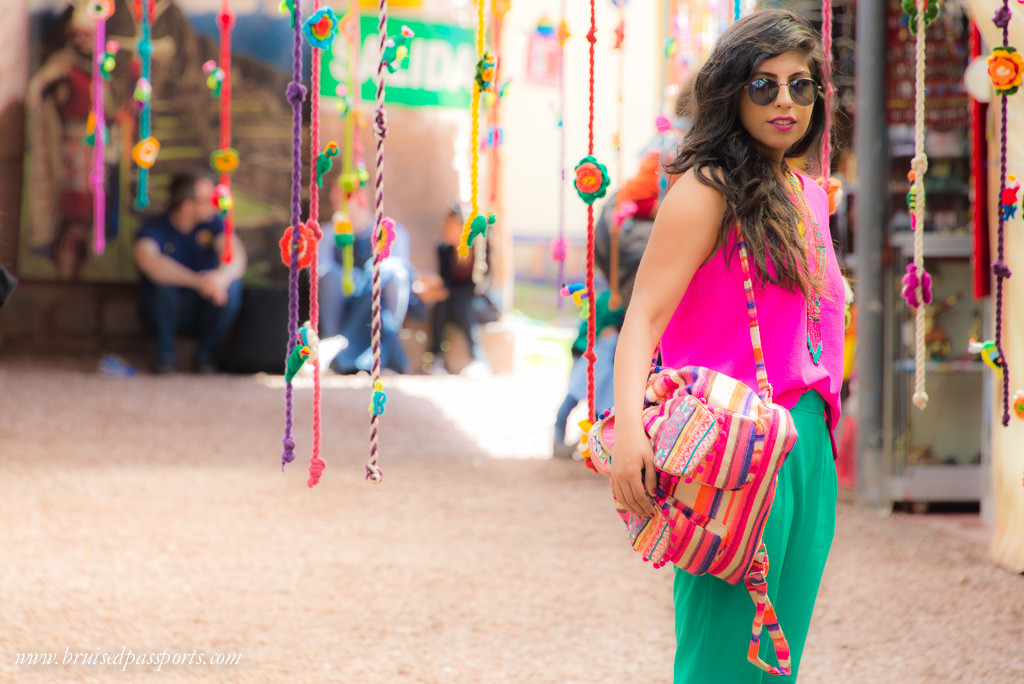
x,y
718,446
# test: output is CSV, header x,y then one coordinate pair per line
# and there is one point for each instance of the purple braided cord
x,y
296,94
373,473
1002,273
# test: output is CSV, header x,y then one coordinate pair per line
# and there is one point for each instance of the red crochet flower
x,y
305,246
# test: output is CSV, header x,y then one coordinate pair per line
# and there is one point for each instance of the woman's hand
x,y
632,475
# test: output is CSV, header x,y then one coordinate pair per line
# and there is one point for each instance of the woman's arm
x,y
684,235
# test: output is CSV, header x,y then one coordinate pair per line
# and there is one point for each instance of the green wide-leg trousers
x,y
713,618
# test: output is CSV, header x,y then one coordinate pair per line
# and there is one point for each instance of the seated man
x,y
185,287
402,290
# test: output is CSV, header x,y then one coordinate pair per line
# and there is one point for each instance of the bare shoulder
x,y
691,209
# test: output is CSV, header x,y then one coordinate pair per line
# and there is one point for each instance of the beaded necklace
x,y
814,345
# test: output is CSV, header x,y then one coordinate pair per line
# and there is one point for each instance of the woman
x,y
758,108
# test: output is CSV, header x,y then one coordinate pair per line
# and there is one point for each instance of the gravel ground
x,y
150,515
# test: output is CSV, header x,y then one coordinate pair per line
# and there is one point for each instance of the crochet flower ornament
x,y
591,179
321,28
305,241
99,10
1005,70
224,160
930,13
386,237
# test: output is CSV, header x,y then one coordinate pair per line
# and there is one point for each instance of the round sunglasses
x,y
803,91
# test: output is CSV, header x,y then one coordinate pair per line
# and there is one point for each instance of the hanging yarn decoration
x,y
493,99
222,76
300,249
99,10
990,354
319,29
916,283
919,164
580,296
224,160
295,243
560,245
305,349
591,183
912,7
1018,404
1008,198
350,179
389,57
109,58
830,185
386,237
614,298
145,152
143,93
323,162
1005,69
214,77
103,63
591,179
378,399
222,199
291,8
483,78
396,49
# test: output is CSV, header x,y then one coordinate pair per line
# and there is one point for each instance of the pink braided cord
x,y
592,309
826,77
316,463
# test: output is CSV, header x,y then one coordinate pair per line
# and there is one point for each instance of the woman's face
x,y
780,124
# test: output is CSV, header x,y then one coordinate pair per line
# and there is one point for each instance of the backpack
x,y
718,447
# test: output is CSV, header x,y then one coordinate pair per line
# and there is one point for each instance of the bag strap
x,y
764,614
764,388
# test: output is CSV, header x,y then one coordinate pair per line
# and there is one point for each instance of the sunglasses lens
x,y
803,91
763,91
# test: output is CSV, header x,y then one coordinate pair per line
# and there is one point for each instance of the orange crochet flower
x,y
1005,70
591,179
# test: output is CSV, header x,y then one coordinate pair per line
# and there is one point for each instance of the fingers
x,y
650,479
632,496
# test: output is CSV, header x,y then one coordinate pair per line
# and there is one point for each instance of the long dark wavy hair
x,y
726,158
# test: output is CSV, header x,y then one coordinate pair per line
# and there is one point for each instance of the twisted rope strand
x,y
920,166
316,463
826,77
999,268
592,313
227,21
145,54
561,156
478,246
373,472
614,298
98,178
474,142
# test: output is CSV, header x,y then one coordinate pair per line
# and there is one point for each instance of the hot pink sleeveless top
x,y
710,325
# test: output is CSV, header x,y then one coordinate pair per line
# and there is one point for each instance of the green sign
x,y
438,71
